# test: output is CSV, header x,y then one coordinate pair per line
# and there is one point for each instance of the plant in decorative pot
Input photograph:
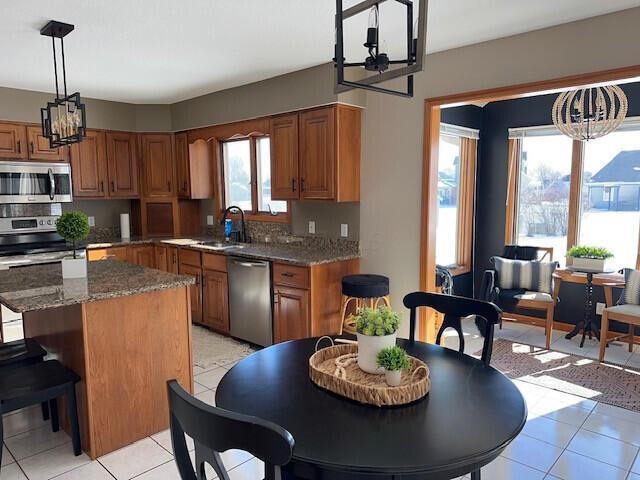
x,y
394,360
589,258
73,227
376,329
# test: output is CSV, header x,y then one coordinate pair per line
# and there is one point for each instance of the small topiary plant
x,y
377,321
393,359
73,227
583,251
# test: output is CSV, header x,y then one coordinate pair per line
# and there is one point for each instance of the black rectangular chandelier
x,y
378,61
64,119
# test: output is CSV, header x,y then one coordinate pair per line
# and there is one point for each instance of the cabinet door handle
x,y
302,184
31,147
113,186
276,297
293,184
19,146
169,185
185,186
102,186
288,274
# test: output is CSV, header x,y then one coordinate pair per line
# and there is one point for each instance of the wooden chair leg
x,y
343,312
632,331
549,326
72,413
55,420
604,329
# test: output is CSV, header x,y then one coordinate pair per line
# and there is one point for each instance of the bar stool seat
x,y
41,382
21,352
365,290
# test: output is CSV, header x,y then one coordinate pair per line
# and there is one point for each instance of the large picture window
x,y
246,176
563,193
456,192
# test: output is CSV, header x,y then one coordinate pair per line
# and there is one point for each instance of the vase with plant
x,y
393,360
73,227
589,258
376,329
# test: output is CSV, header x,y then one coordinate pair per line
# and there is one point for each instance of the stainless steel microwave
x,y
31,182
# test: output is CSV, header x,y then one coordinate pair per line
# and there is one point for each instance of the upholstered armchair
x,y
520,280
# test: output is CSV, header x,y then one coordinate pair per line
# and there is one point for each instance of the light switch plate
x,y
312,226
92,221
344,229
209,219
599,308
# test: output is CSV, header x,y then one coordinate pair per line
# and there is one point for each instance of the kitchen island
x,y
125,330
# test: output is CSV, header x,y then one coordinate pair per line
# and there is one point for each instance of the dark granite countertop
x,y
293,253
39,287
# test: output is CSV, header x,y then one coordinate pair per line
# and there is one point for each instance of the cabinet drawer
x,y
215,262
190,257
290,275
116,253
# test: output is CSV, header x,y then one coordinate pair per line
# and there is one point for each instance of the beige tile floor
x,y
566,437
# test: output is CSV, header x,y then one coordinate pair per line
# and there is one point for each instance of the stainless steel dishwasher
x,y
250,310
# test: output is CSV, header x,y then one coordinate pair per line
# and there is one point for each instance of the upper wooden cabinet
x,y
194,168
104,165
315,154
284,157
157,165
13,141
39,148
122,165
88,165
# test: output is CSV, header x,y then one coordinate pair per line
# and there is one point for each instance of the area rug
x,y
213,350
607,382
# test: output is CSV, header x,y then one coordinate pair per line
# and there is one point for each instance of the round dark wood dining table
x,y
470,415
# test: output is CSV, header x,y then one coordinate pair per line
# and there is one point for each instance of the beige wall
x,y
24,106
392,130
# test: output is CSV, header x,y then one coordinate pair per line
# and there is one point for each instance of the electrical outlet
x,y
209,219
92,221
599,308
312,226
344,229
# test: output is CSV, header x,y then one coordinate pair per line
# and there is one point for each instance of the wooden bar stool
x,y
28,385
364,290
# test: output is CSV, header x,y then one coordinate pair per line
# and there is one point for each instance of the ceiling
x,y
163,51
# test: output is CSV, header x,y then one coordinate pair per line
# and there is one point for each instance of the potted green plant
x,y
394,360
589,258
73,227
376,329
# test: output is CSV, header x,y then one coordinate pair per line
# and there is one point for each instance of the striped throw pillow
x,y
631,293
525,274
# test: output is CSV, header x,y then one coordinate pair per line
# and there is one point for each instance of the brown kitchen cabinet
x,y
122,165
166,258
194,168
89,166
285,180
40,149
196,291
291,314
143,255
13,141
317,158
157,165
215,299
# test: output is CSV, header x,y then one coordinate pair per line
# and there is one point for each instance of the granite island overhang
x,y
125,330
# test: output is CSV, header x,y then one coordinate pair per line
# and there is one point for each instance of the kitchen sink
x,y
219,246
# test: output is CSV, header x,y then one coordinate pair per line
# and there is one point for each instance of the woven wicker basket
x,y
364,387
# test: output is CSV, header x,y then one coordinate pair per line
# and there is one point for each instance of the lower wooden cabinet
x,y
290,314
143,255
166,258
196,291
215,298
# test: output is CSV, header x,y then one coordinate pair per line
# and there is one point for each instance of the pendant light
x,y
377,61
64,119
591,112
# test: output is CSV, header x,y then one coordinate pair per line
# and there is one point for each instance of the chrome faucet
x,y
243,233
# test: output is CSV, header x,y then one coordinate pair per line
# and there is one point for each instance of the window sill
x,y
260,217
456,270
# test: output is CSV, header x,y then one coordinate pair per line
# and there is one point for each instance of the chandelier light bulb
x,y
372,30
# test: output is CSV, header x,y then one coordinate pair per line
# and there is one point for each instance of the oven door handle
x,y
52,185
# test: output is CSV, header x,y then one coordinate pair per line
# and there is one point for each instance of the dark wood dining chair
x,y
454,309
41,382
215,430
